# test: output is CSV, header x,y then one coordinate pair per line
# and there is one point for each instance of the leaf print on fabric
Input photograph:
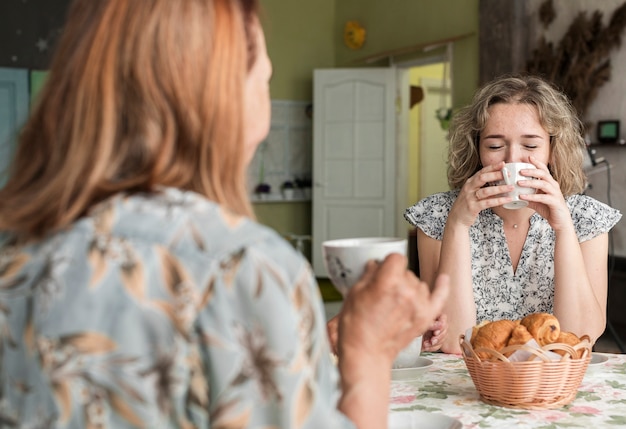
x,y
230,267
182,310
95,411
189,228
303,402
196,236
198,393
5,330
133,275
97,259
103,216
259,362
29,329
174,274
63,396
303,301
124,410
79,363
170,311
267,268
228,416
106,248
163,371
11,262
207,294
88,343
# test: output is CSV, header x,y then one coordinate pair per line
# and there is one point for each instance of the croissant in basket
x,y
571,340
519,336
492,335
544,327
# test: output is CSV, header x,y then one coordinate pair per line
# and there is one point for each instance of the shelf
x,y
278,198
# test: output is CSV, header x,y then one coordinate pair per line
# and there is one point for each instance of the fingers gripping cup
x,y
345,261
511,173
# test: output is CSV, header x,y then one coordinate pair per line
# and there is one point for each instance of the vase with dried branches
x,y
580,63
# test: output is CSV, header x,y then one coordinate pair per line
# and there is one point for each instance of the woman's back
x,y
122,317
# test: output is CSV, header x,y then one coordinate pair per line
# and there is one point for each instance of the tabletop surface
x,y
447,388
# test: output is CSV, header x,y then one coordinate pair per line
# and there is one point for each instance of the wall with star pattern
x,y
29,30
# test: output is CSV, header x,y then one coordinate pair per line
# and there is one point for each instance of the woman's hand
x,y
436,334
548,201
475,197
387,308
382,313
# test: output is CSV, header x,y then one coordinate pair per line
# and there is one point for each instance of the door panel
x,y
13,112
354,156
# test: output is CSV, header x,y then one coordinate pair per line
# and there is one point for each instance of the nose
x,y
513,154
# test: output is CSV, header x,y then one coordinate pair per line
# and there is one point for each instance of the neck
x,y
514,217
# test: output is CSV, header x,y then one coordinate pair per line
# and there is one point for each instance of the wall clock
x,y
354,35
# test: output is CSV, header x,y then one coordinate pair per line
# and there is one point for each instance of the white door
x,y
13,112
354,156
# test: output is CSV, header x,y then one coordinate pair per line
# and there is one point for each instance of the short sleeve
x,y
431,213
591,217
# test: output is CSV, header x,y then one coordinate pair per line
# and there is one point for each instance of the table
x,y
447,388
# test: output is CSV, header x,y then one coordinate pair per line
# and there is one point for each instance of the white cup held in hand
x,y
511,173
409,356
345,259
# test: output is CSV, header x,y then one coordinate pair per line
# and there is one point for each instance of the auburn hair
x,y
140,94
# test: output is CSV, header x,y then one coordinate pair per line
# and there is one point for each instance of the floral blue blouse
x,y
163,311
499,292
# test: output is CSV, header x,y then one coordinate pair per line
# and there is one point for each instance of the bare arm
x,y
580,269
454,254
456,262
580,283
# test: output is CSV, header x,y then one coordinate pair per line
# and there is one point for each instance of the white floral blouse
x,y
499,292
163,311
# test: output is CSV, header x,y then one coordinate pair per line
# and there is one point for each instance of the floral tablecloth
x,y
447,388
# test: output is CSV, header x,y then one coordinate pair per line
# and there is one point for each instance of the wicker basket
x,y
538,383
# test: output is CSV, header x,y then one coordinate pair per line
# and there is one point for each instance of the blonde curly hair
x,y
556,114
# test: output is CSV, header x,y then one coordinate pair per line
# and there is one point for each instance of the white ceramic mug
x,y
345,259
511,173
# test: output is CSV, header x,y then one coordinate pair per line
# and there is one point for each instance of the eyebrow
x,y
501,136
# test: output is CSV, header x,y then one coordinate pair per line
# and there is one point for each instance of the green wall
x,y
299,38
395,24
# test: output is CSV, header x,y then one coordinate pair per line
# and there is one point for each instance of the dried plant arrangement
x,y
580,64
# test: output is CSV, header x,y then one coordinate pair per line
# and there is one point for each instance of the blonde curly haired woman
x,y
550,256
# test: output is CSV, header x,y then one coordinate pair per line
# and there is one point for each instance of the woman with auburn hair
x,y
136,289
549,256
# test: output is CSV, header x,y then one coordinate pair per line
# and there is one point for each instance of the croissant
x,y
493,335
544,327
571,339
519,335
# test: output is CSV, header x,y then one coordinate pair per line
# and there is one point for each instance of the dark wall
x,y
29,30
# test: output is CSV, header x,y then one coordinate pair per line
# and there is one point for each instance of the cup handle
x,y
506,176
